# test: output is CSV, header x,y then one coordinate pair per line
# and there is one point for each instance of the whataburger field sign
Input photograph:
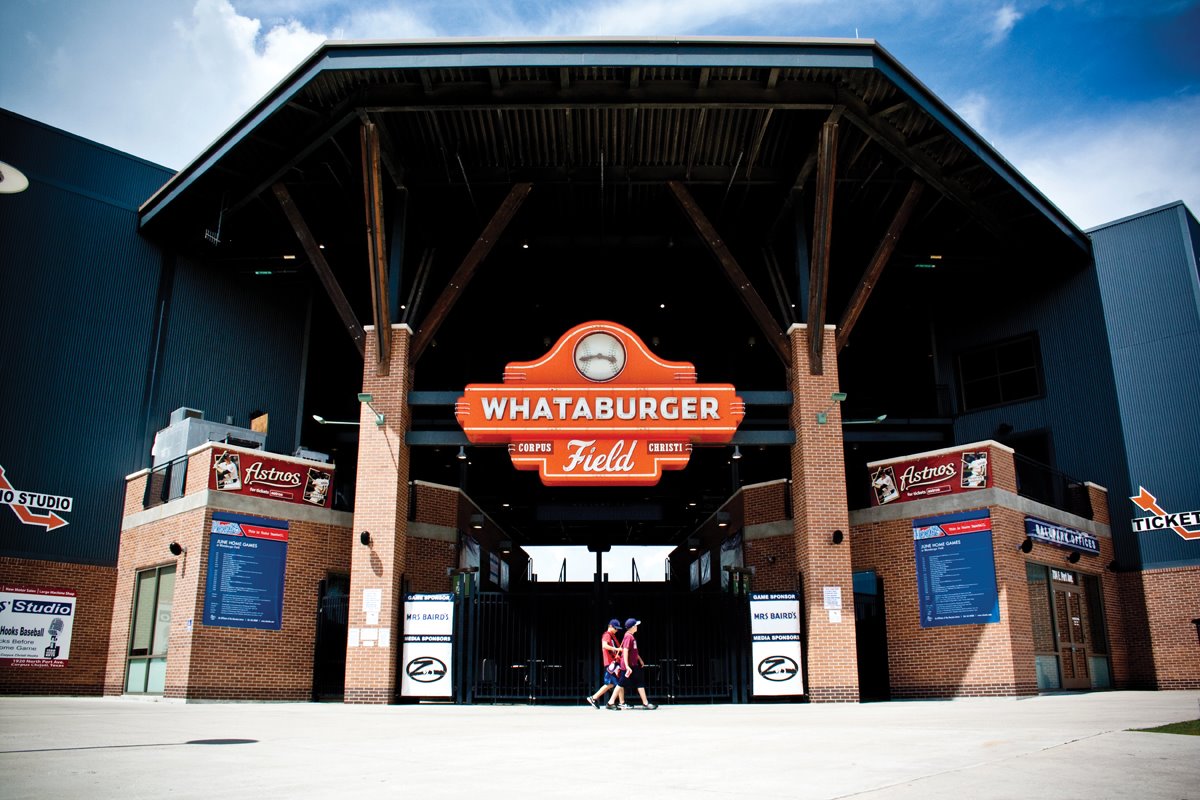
x,y
599,408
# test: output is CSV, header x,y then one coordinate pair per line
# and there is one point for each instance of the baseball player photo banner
x,y
929,475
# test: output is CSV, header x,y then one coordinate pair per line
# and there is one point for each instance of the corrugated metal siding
x,y
1149,284
76,319
234,344
1079,407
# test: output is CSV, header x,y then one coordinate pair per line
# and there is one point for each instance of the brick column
x,y
380,508
818,509
1098,499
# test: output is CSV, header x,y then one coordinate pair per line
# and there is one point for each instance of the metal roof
x,y
678,104
599,128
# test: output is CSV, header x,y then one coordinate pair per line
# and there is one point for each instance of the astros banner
x,y
599,408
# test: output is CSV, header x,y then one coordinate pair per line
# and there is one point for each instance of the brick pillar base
x,y
819,508
381,509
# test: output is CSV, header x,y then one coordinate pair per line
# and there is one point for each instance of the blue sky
x,y
1097,103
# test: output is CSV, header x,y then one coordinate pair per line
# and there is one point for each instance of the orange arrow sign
x,y
1148,502
51,520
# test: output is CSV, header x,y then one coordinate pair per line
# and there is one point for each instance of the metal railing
x,y
165,483
1047,485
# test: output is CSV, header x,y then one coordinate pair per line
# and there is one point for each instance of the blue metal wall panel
x,y
234,344
76,320
1079,405
1151,293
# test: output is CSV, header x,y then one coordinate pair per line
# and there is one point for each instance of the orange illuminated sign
x,y
600,408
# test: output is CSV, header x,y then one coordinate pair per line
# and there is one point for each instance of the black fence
x,y
166,483
1047,485
543,646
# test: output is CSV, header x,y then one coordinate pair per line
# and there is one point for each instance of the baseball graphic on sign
x,y
600,356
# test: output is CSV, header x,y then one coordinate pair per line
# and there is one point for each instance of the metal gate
x,y
542,645
329,650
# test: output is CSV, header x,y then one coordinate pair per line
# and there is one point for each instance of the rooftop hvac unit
x,y
180,414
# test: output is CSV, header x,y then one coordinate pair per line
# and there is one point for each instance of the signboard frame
x,y
961,470
956,569
36,624
247,567
776,651
427,650
252,474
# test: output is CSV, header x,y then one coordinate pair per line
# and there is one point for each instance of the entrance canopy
x,y
705,193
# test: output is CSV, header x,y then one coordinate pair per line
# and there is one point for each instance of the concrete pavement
x,y
1055,746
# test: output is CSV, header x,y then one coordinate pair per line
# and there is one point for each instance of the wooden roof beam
x,y
887,246
818,281
924,167
376,244
466,270
317,259
750,297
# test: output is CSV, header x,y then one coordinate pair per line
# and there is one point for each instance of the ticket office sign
x,y
35,626
600,409
428,650
775,644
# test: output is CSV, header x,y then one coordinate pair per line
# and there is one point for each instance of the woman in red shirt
x,y
634,666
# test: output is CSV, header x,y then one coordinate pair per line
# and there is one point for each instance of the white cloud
x,y
1106,167
1003,21
389,22
973,108
679,17
228,58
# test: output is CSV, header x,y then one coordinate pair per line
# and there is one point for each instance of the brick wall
x,y
249,664
1172,598
436,504
146,547
220,663
986,659
135,492
93,587
433,542
1098,501
954,660
768,539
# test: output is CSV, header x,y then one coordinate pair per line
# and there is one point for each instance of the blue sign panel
x,y
247,557
956,570
1061,535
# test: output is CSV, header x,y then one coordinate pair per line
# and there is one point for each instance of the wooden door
x,y
1070,614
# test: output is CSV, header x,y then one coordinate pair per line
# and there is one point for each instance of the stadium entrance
x,y
541,645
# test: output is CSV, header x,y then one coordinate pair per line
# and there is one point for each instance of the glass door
x,y
146,668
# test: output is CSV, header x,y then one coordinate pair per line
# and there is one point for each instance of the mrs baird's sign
x,y
599,408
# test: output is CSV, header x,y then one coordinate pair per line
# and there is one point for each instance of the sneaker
x,y
614,707
592,702
650,706
624,707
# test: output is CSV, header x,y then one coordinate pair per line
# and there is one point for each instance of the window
x,y
1006,372
146,670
